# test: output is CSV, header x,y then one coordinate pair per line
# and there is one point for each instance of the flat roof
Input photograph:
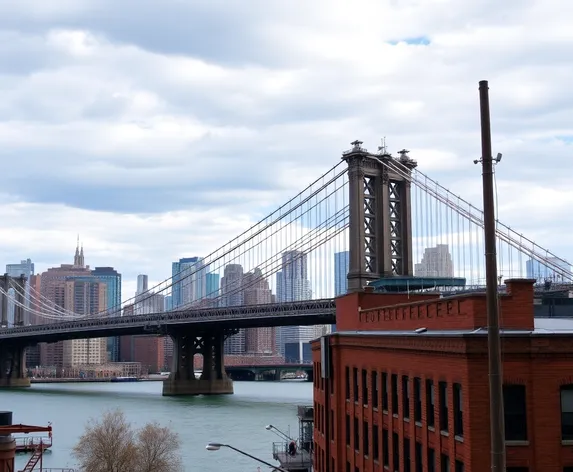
x,y
542,327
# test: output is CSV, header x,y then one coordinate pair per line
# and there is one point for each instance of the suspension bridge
x,y
396,228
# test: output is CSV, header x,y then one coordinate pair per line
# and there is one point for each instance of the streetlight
x,y
278,432
217,446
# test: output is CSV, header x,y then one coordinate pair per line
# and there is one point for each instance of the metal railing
x,y
310,308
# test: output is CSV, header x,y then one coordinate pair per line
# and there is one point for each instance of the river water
x,y
238,420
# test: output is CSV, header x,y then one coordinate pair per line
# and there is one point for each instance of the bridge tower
x,y
213,380
380,215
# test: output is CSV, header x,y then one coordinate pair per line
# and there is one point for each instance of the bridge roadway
x,y
303,313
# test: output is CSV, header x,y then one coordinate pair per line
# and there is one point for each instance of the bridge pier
x,y
182,380
13,367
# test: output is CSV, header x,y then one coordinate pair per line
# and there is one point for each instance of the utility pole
x,y
497,426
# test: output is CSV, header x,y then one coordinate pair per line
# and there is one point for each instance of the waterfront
x,y
238,419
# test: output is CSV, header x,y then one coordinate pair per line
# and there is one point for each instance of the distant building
x,y
341,264
142,284
112,279
293,285
537,270
147,302
436,262
84,296
189,281
232,295
257,292
25,268
147,350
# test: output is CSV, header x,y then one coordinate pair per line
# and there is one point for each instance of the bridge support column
x,y
13,367
5,281
380,232
213,381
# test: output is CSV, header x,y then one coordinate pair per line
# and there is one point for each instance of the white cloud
x,y
165,136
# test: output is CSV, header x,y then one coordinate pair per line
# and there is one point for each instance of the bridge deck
x,y
302,313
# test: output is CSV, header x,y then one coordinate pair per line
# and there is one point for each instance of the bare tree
x,y
111,444
158,449
107,445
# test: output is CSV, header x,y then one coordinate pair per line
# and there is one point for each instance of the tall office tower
x,y
145,301
33,352
112,279
53,288
168,306
536,270
142,284
84,296
436,262
341,262
190,281
213,289
25,268
257,292
293,342
232,295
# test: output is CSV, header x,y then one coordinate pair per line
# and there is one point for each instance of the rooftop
x,y
542,327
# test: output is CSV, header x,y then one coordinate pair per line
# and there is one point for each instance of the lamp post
x,y
217,446
278,432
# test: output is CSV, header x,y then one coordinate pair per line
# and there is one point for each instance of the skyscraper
x,y
189,281
536,270
436,262
232,295
257,292
293,285
25,268
147,302
112,279
84,296
341,263
142,283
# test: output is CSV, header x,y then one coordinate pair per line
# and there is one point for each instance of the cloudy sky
x,y
161,128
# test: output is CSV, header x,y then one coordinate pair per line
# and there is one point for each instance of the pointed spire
x,y
81,259
77,254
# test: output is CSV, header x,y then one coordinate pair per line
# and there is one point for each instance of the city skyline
x,y
245,128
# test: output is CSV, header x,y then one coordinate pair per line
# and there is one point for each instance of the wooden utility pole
x,y
497,426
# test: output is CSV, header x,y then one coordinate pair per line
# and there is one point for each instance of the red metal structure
x,y
8,444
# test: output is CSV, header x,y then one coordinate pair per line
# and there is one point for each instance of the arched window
x,y
567,412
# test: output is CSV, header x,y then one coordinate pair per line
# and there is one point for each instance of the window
x,y
431,460
525,469
405,397
445,463
385,391
419,467
365,443
364,387
567,412
459,466
356,435
332,424
348,383
355,378
458,411
385,448
347,430
394,381
514,404
347,466
417,399
430,414
443,406
375,442
396,451
406,455
374,389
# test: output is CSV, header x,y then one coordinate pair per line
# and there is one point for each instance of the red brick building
x,y
403,385
145,349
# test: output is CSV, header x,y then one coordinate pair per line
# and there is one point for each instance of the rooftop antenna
x,y
383,149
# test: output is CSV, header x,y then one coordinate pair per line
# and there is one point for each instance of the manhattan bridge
x,y
400,229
